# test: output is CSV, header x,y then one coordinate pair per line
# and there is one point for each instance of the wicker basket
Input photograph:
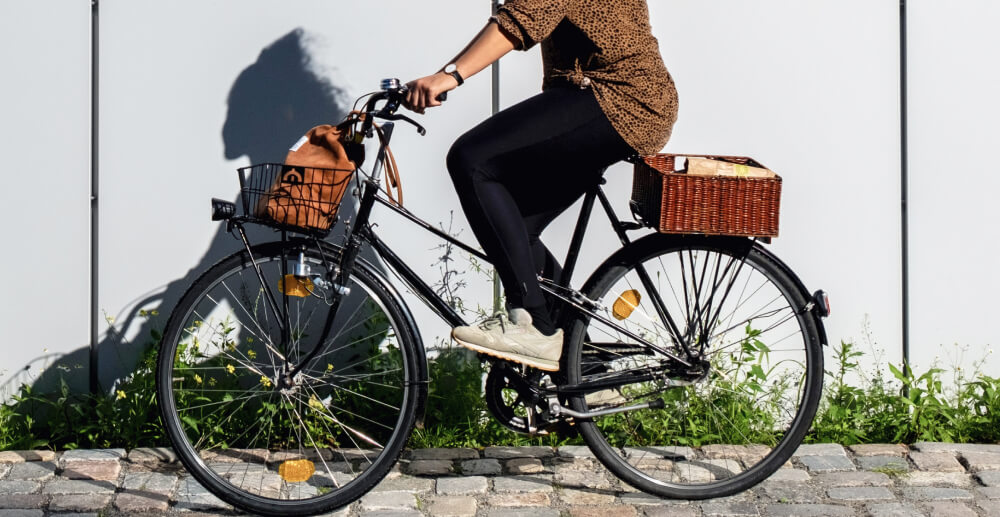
x,y
674,202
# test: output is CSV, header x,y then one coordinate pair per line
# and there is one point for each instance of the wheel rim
x,y
731,421
249,433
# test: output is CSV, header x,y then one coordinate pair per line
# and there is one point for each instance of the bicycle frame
x,y
361,232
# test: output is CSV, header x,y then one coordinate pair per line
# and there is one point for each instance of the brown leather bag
x,y
316,173
313,181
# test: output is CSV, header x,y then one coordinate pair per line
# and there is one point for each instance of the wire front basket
x,y
288,197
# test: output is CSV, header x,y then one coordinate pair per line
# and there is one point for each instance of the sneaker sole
x,y
534,362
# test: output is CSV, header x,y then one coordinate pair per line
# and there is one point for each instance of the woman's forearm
x,y
488,46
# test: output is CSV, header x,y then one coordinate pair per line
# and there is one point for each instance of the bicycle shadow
x,y
271,103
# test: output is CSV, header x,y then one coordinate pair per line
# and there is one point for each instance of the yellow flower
x,y
230,368
197,378
211,381
329,367
251,354
265,381
120,395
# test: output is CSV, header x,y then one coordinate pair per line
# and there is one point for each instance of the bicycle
x,y
291,373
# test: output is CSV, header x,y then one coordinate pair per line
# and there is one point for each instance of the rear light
x,y
822,303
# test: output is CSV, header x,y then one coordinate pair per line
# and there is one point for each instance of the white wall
x,y
779,81
45,200
811,89
170,142
953,181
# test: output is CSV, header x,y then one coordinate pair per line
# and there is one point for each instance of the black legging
x,y
518,170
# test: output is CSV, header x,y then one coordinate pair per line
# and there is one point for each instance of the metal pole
x,y
95,385
495,70
904,181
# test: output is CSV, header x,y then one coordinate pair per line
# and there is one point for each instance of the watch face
x,y
450,68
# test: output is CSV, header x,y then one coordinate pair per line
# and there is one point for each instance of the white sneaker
x,y
514,339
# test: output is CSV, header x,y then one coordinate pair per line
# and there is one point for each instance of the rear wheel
x,y
737,413
271,444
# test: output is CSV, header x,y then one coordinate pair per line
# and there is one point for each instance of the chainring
x,y
512,402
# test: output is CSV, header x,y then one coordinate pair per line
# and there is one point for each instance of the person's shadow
x,y
272,103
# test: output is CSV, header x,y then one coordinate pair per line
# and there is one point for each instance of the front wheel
x,y
742,406
268,442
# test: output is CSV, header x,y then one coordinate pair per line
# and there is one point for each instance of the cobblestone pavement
x,y
936,479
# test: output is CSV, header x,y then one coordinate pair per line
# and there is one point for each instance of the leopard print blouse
x,y
607,46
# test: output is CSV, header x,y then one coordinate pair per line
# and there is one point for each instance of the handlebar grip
x,y
442,97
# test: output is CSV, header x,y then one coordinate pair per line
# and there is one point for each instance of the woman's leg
x,y
520,169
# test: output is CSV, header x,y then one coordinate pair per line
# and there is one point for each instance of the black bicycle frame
x,y
362,232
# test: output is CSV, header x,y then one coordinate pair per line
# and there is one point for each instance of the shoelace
x,y
498,318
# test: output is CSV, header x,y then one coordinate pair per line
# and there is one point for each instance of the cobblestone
x,y
980,461
524,466
504,453
430,467
23,456
79,503
452,506
827,463
99,470
933,493
989,492
152,455
820,449
943,480
587,497
936,479
35,471
444,454
870,493
841,479
23,501
888,463
485,467
950,510
893,510
989,478
462,485
936,461
878,449
18,487
808,510
955,447
523,484
729,509
519,499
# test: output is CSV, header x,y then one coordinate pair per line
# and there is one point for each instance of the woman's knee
x,y
461,161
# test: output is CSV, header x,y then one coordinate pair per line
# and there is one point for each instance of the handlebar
x,y
393,93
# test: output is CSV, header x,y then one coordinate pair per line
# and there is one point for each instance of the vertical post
x,y
495,70
904,181
95,384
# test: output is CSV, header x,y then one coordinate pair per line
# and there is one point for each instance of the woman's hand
x,y
424,91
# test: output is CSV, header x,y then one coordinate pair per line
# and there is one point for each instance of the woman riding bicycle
x,y
606,96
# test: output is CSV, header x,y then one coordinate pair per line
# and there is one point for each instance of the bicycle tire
x,y
306,448
748,409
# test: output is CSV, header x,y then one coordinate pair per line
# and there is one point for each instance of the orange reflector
x,y
296,471
625,304
296,286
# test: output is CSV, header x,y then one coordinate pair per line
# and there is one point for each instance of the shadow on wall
x,y
271,104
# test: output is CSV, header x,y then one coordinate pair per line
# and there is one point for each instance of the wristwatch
x,y
452,70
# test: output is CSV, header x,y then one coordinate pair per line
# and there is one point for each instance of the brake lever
x,y
404,118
